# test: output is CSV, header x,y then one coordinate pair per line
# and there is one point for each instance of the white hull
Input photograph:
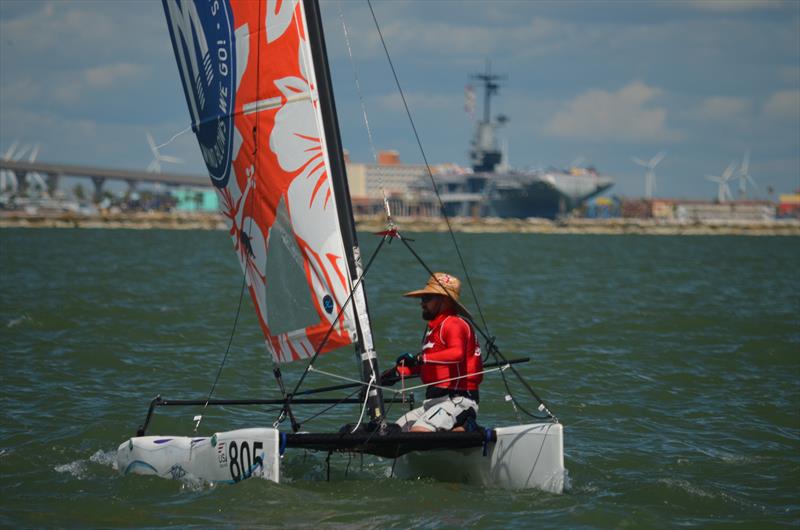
x,y
523,457
224,457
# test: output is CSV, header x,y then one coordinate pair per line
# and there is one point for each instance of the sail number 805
x,y
243,460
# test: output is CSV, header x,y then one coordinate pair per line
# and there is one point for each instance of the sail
x,y
252,92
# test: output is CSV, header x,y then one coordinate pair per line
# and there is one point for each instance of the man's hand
x,y
408,360
389,377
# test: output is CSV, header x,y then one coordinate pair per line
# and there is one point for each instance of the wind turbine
x,y
723,191
7,177
35,178
650,173
155,165
744,175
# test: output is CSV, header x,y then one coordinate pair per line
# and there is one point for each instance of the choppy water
x,y
672,362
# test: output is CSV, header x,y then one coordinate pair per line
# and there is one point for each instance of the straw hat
x,y
439,283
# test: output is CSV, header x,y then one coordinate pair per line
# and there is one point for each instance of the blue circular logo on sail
x,y
327,303
203,40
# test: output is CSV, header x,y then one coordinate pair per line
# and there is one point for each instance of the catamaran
x,y
258,88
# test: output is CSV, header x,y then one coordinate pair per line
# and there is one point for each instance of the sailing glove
x,y
408,360
389,377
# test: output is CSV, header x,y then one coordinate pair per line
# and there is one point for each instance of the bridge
x,y
98,175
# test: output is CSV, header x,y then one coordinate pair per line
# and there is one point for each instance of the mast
x,y
341,191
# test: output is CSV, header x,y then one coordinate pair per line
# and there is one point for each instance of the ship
x,y
492,189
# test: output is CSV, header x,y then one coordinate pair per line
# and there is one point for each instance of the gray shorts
x,y
437,414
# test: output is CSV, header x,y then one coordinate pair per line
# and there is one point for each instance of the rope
x,y
410,388
326,409
174,137
358,84
364,110
364,407
428,168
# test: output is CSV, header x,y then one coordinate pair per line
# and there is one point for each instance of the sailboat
x,y
257,84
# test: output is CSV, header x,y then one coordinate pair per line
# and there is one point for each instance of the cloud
x,y
423,31
98,78
20,90
622,115
723,108
735,5
77,31
108,75
418,102
83,140
791,74
784,105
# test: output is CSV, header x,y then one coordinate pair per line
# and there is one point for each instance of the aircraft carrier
x,y
492,189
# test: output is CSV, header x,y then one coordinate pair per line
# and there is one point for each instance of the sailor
x,y
449,361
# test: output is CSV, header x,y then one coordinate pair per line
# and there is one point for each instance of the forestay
x,y
252,92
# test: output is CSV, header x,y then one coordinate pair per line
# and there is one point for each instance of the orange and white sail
x,y
252,93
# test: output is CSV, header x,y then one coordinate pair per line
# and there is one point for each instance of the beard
x,y
427,314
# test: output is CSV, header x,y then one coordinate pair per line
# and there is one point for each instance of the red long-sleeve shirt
x,y
450,349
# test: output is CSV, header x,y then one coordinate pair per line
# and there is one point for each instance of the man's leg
x,y
443,414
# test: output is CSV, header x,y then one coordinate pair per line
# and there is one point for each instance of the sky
x,y
600,82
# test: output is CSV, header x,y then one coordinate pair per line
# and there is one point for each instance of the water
x,y
672,362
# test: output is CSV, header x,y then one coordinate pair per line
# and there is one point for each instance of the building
x,y
195,199
698,211
389,177
789,205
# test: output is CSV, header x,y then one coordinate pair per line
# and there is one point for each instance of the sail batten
x,y
250,81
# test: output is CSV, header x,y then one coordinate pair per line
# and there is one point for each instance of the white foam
x,y
77,468
17,321
80,468
190,482
105,458
688,487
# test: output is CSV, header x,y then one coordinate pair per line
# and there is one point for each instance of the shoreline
x,y
617,226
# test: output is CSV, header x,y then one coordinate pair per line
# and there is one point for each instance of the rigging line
x,y
376,431
249,229
227,349
542,405
326,409
497,353
519,406
358,85
428,167
359,280
174,136
363,107
364,407
214,119
408,388
484,333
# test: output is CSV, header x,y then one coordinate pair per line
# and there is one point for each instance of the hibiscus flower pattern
x,y
277,101
280,13
297,144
